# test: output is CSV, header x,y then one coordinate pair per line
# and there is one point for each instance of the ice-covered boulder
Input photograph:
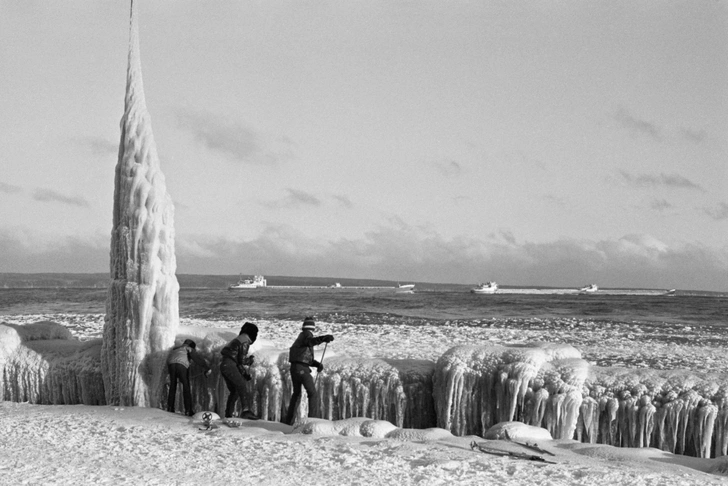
x,y
142,309
517,431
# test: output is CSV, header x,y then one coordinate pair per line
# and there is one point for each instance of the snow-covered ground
x,y
78,444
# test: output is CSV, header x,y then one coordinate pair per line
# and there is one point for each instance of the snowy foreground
x,y
80,444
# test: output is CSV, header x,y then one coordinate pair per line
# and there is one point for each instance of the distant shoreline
x,y
222,282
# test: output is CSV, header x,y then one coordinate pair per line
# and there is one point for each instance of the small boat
x,y
246,283
337,285
405,289
670,292
485,288
589,289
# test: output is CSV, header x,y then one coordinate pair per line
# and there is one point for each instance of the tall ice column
x,y
142,306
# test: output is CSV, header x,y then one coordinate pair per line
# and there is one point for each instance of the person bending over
x,y
234,359
178,364
301,358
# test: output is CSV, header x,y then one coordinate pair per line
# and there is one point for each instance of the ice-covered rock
x,y
142,309
517,431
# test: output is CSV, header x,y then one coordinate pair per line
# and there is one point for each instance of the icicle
x,y
588,425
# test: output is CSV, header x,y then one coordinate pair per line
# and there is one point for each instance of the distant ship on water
x,y
405,288
589,289
485,288
246,283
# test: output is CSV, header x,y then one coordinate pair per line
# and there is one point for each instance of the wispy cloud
x,y
233,139
695,136
99,146
668,180
294,198
49,195
660,205
344,201
9,188
718,213
556,200
448,168
637,126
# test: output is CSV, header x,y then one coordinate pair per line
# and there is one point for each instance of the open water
x,y
384,306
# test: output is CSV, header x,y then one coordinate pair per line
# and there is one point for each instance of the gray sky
x,y
545,143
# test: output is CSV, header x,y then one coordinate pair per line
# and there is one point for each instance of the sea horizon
x,y
80,280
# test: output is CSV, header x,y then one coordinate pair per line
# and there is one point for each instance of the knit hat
x,y
308,324
190,343
251,330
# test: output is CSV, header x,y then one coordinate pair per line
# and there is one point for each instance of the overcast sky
x,y
545,143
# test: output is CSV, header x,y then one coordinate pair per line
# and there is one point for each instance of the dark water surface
x,y
383,306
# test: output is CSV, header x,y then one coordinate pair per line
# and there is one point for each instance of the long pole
x,y
326,345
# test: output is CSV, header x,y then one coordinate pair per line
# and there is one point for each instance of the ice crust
x,y
142,309
468,391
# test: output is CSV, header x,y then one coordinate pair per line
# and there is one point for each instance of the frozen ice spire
x,y
142,308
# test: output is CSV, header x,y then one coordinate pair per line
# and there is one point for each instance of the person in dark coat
x,y
178,364
301,358
234,359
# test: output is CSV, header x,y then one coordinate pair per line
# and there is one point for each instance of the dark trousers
x,y
235,385
181,373
301,377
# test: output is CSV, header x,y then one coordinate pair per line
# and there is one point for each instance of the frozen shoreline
x,y
114,439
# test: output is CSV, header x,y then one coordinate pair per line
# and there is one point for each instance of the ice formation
x,y
476,387
142,309
478,390
42,363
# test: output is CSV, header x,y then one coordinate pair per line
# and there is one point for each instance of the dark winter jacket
x,y
237,350
302,349
183,354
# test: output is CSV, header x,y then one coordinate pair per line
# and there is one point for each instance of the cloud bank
x,y
400,252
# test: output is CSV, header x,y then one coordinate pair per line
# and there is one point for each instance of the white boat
x,y
337,285
589,289
485,288
246,283
405,289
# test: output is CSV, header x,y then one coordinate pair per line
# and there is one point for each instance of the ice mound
x,y
42,363
351,427
677,411
395,390
517,431
540,384
364,427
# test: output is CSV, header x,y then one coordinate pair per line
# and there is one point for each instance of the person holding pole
x,y
301,358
